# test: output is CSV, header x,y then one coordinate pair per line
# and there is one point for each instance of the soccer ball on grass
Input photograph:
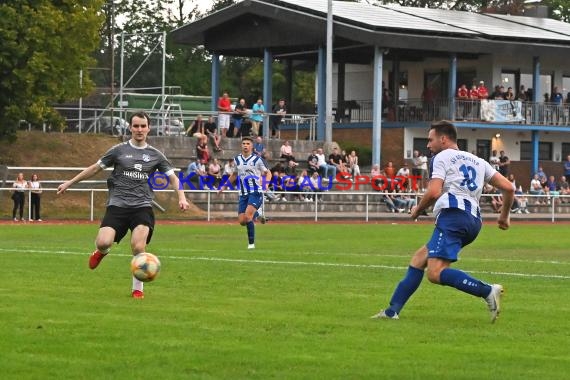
x,y
145,266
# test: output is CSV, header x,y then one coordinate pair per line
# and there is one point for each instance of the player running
x,y
252,174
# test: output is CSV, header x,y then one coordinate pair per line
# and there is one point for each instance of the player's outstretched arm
x,y
182,201
508,192
85,174
232,179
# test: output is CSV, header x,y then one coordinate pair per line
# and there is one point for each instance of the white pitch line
x,y
463,259
303,263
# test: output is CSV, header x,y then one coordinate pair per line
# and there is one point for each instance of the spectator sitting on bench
x,y
287,153
212,131
259,148
313,163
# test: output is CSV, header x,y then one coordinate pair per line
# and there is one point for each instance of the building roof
x,y
295,28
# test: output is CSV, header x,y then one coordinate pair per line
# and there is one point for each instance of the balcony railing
x,y
417,110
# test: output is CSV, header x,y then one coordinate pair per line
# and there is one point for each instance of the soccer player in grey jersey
x,y
252,176
129,204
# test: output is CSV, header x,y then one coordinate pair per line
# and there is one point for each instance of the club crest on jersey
x,y
138,167
146,158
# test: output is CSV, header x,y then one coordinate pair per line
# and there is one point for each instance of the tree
x,y
560,9
43,46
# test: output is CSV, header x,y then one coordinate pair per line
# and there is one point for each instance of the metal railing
x,y
323,204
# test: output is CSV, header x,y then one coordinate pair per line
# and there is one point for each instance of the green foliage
x,y
560,9
364,153
43,46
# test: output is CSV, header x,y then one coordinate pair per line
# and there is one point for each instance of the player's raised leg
x,y
103,243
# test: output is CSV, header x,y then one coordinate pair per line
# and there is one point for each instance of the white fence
x,y
349,205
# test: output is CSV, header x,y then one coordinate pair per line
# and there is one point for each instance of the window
x,y
462,144
420,145
484,149
565,151
544,151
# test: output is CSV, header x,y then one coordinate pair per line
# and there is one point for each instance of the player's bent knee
x,y
433,276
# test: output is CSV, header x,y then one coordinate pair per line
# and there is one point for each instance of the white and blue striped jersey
x,y
464,176
250,172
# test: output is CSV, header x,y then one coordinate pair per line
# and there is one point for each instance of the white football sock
x,y
137,284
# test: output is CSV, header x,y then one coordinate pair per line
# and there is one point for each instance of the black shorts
x,y
123,219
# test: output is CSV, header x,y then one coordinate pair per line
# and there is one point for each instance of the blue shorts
x,y
254,199
454,229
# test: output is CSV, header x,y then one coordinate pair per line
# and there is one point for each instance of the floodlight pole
x,y
329,68
112,42
122,73
163,69
80,99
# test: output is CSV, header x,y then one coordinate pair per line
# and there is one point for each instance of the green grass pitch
x,y
297,307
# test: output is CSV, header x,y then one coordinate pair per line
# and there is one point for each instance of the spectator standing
x,y
257,112
225,110
522,95
240,111
279,110
482,91
462,97
18,196
510,95
504,163
35,194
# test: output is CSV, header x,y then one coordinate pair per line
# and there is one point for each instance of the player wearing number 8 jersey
x,y
456,182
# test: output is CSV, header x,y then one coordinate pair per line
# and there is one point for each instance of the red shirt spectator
x,y
482,91
224,103
462,92
473,93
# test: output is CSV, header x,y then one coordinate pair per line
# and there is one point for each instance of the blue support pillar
x,y
452,85
215,82
534,141
321,94
377,105
535,97
267,88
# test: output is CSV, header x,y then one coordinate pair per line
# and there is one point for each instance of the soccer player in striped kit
x,y
456,182
252,175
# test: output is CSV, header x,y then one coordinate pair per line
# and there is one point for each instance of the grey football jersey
x,y
128,184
